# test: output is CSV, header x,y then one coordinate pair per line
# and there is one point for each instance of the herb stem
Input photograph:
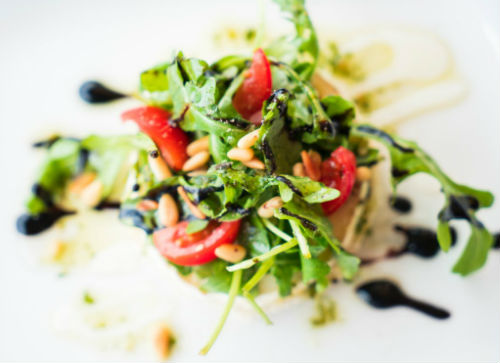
x,y
259,310
302,240
273,252
261,272
233,292
278,232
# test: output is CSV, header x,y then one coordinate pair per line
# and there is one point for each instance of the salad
x,y
241,168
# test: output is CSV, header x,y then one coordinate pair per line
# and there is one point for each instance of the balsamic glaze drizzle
x,y
384,294
29,225
96,92
400,204
289,184
496,241
305,222
420,241
384,135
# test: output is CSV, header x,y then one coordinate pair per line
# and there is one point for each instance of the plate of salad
x,y
285,191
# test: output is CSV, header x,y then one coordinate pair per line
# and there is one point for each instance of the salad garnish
x,y
236,169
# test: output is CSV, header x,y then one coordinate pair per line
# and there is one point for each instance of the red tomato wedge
x,y
184,249
171,141
339,172
255,89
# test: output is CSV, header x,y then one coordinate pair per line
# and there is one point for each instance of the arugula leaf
x,y
67,157
60,165
315,270
461,202
309,190
326,124
349,264
196,225
301,50
153,86
283,270
280,152
108,154
215,276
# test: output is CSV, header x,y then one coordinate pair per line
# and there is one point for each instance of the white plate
x,y
49,48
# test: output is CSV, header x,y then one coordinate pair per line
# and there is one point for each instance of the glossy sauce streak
x,y
496,241
400,204
420,241
384,294
95,92
29,225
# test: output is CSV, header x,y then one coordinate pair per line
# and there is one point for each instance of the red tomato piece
x,y
171,141
184,249
255,89
339,172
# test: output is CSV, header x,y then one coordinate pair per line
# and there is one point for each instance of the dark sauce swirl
x,y
384,294
95,92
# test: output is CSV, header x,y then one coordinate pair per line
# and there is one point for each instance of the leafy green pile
x,y
297,244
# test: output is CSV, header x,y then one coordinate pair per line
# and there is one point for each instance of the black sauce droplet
x,y
29,225
384,294
422,241
400,204
107,205
496,241
95,92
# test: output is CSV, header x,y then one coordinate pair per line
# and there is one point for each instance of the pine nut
x,y
77,185
231,252
240,154
254,164
299,170
202,144
266,210
193,208
91,195
168,214
198,172
363,173
146,205
163,342
313,170
159,167
196,161
248,140
274,203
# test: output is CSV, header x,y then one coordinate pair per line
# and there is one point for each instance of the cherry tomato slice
x,y
255,89
339,172
171,141
197,248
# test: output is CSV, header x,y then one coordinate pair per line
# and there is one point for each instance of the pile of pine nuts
x,y
199,154
244,153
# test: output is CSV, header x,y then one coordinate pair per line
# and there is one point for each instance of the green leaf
x,y
476,251
153,86
444,235
215,276
300,50
196,225
461,202
280,152
311,191
349,264
316,270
